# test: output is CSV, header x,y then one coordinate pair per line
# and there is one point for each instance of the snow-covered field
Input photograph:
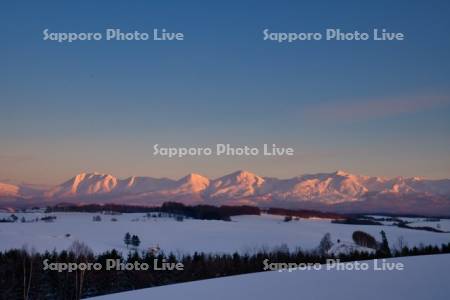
x,y
443,225
243,234
439,224
423,277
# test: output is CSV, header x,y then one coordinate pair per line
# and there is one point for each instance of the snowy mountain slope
x,y
8,190
192,183
423,277
338,189
26,190
139,184
85,184
239,184
95,183
330,188
325,187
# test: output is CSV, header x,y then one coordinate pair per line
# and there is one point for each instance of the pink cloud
x,y
376,108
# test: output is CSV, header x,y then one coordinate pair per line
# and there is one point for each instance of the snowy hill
x,y
336,191
423,277
347,248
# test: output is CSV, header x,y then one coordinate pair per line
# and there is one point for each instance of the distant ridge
x,y
338,191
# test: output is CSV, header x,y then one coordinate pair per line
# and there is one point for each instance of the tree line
x,y
22,275
202,212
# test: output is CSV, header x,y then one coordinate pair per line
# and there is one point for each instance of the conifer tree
x,y
384,247
135,241
127,239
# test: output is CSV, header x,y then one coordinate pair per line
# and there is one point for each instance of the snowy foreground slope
x,y
423,277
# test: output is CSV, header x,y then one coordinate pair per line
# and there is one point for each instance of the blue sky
x,y
376,108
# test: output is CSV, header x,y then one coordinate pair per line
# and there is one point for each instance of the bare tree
x,y
400,244
81,252
325,244
27,264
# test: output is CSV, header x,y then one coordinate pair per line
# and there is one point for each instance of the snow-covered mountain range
x,y
337,191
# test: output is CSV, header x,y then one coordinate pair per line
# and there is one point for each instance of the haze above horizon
x,y
373,108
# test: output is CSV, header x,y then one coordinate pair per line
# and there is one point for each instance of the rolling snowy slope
x,y
423,277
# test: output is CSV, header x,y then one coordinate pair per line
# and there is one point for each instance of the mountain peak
x,y
85,184
330,188
193,182
85,175
342,173
194,176
241,174
237,184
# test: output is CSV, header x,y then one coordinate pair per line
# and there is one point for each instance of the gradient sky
x,y
375,108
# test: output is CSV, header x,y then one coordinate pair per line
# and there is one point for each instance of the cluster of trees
x,y
133,240
304,213
368,220
13,218
208,212
404,224
22,275
287,218
202,212
357,221
364,239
